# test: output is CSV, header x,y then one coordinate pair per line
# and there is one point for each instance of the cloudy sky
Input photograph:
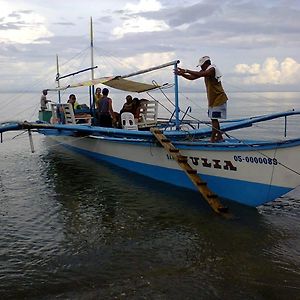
x,y
254,43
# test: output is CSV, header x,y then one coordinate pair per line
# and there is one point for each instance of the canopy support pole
x,y
176,97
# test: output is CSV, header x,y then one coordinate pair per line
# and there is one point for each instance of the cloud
x,y
64,23
229,23
230,31
134,23
23,27
149,59
270,72
139,24
179,15
142,6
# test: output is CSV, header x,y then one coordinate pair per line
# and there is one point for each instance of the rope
x,y
235,138
272,175
229,136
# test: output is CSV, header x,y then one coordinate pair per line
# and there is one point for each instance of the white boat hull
x,y
251,176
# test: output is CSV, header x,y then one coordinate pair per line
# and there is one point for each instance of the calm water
x,y
71,228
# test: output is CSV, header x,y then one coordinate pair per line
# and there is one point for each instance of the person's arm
x,y
207,73
185,74
111,109
192,75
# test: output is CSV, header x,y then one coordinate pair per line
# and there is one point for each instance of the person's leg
x,y
216,113
214,130
108,121
216,134
100,120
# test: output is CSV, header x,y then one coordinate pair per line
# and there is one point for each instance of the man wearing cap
x,y
216,96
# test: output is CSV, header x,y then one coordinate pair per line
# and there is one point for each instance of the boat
x,y
178,151
250,172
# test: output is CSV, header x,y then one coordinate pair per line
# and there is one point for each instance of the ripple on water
x,y
73,228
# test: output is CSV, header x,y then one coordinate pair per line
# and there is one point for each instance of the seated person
x,y
72,100
128,105
82,117
59,114
137,107
84,106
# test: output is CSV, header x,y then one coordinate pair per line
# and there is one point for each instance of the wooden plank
x,y
211,198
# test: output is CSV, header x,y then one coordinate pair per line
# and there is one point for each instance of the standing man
x,y
105,111
216,96
44,100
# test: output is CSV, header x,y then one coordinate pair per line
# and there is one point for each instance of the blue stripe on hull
x,y
247,193
244,192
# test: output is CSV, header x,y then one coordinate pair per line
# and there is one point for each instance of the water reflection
x,y
73,228
154,231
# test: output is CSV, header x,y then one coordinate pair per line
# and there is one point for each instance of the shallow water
x,y
74,229
71,228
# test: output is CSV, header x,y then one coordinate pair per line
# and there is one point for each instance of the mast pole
x,y
92,50
57,78
92,88
176,97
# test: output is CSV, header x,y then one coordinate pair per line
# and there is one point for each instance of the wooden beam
x,y
210,197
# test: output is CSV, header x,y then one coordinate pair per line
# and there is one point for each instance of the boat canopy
x,y
116,82
130,85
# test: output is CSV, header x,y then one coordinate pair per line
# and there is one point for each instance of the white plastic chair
x,y
127,121
70,118
148,114
69,113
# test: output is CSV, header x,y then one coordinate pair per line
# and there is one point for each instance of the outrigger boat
x,y
177,151
249,172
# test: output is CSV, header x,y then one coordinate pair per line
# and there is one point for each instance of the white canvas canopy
x,y
114,82
120,83
129,85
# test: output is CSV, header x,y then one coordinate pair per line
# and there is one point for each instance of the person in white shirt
x,y
44,100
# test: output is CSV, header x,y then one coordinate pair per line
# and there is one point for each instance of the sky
x,y
254,43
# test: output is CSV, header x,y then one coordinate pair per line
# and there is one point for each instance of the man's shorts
x,y
218,112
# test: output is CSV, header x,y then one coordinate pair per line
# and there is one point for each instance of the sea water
x,y
71,228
